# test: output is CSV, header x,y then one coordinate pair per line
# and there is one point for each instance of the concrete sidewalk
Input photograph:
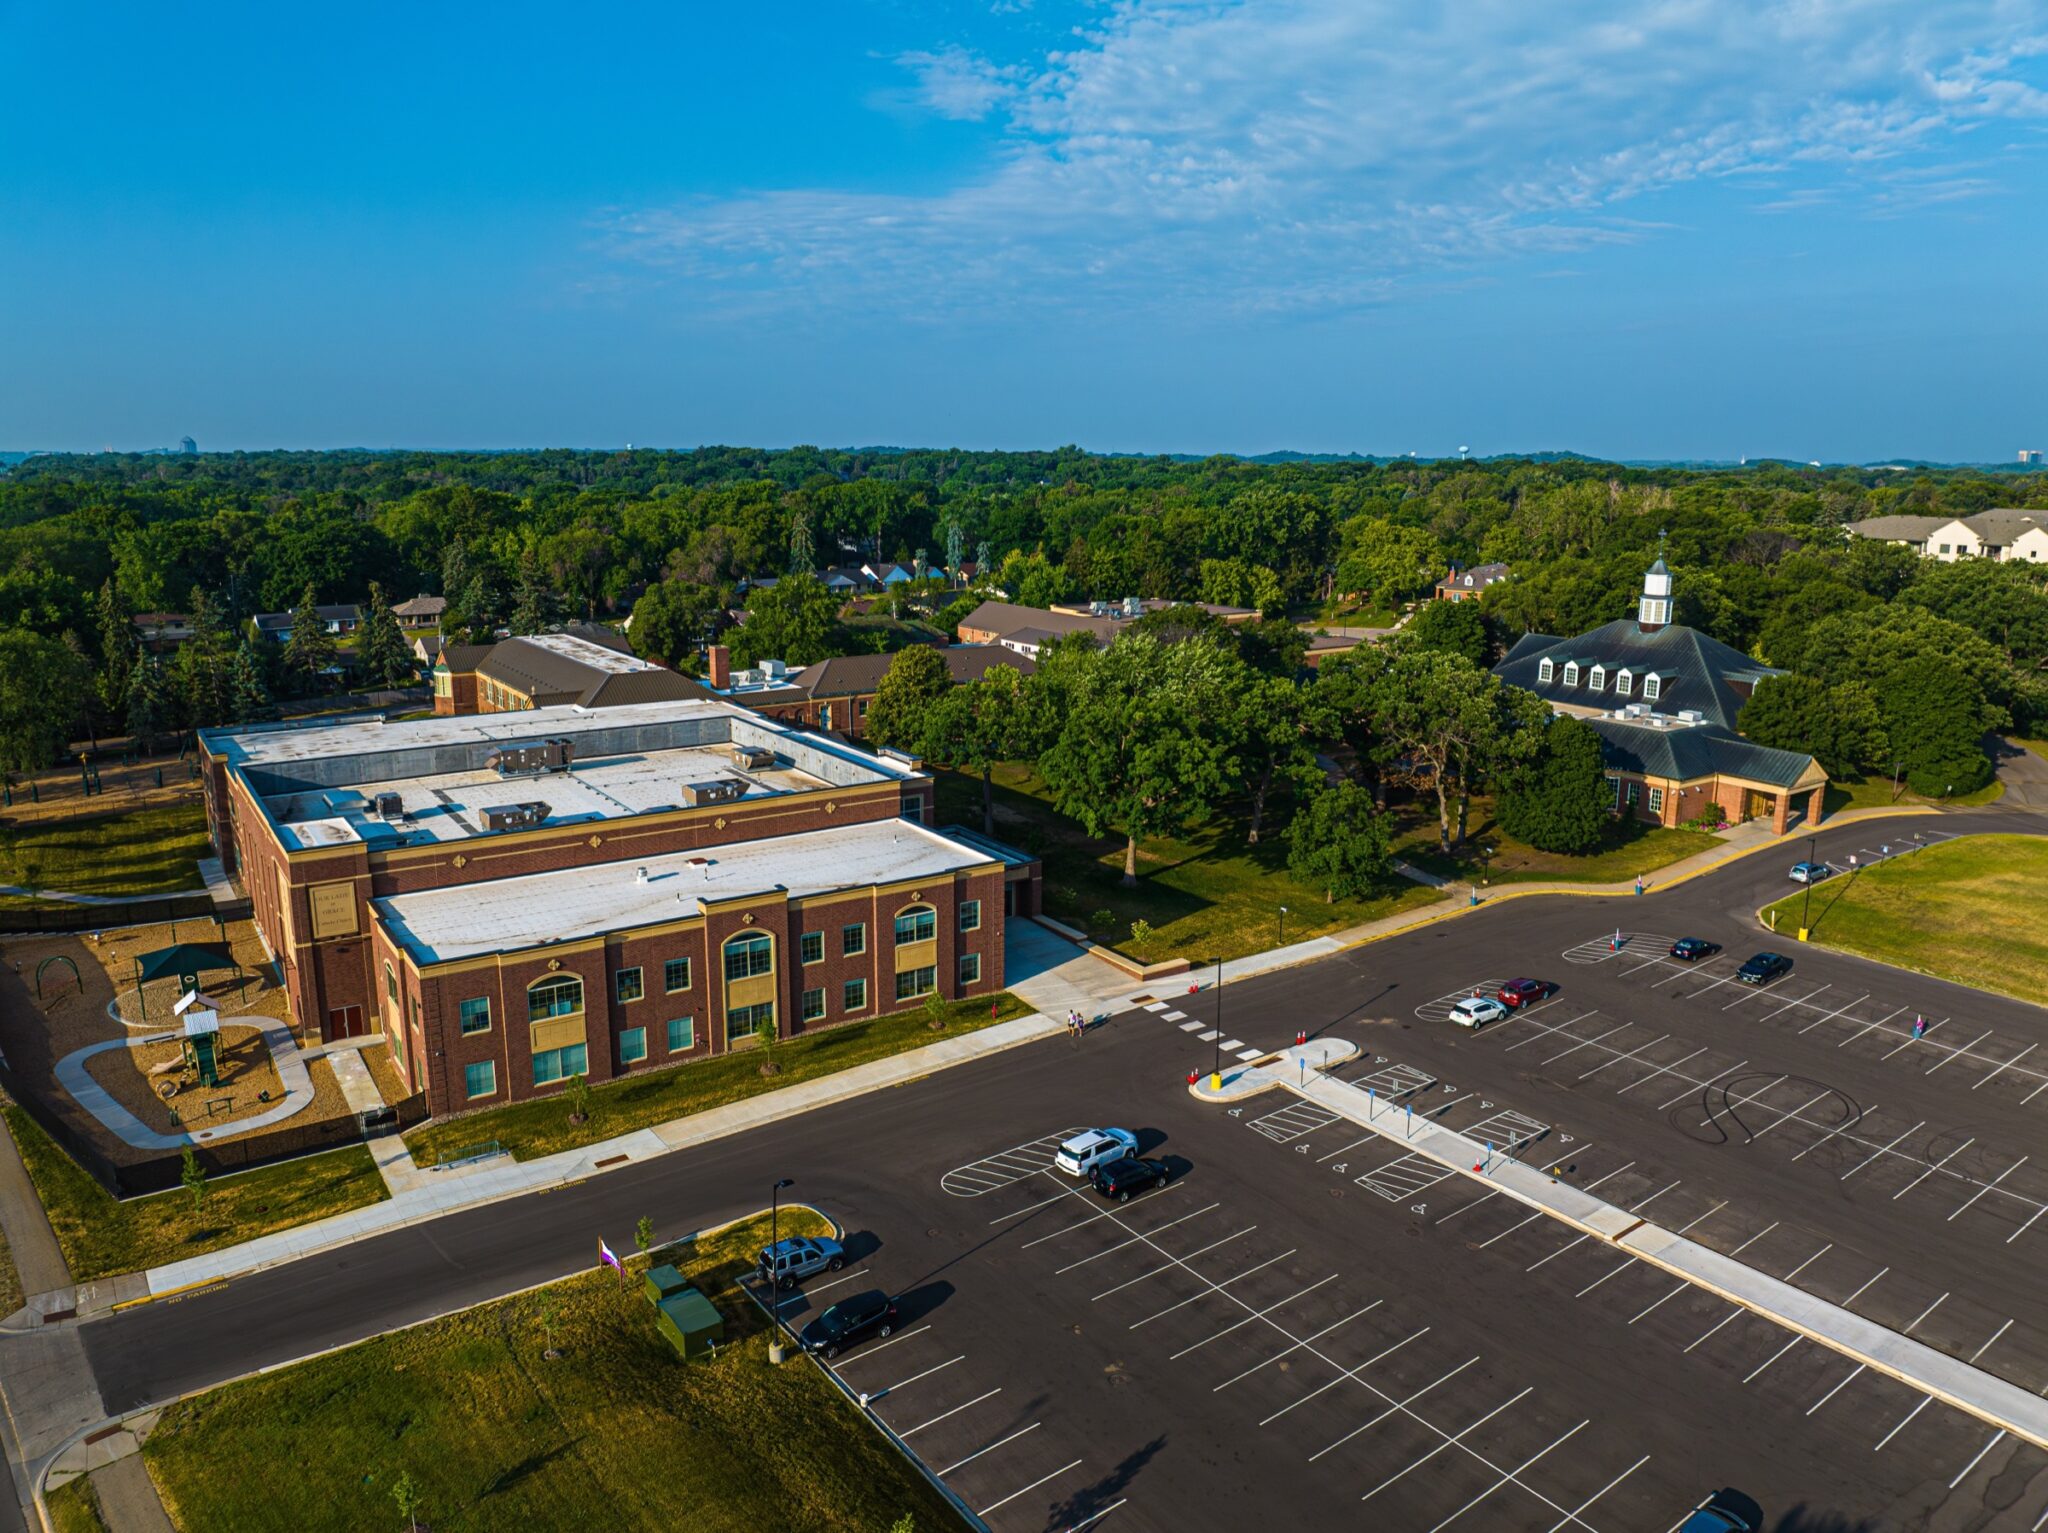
x,y
435,1192
1955,1383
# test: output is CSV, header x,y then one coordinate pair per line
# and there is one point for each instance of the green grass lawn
x,y
102,1235
75,1509
615,1432
143,851
10,1281
1966,910
1210,895
1628,847
1876,793
532,1129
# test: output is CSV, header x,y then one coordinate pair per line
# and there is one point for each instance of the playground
x,y
90,1024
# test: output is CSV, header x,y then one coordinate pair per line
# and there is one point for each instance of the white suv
x,y
1095,1147
1477,1011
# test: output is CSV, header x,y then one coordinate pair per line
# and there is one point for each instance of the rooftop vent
x,y
390,807
532,758
1692,716
773,670
718,790
754,758
1133,607
514,816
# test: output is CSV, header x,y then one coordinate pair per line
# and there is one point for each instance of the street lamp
x,y
1486,865
1283,926
1216,1072
775,1226
1806,909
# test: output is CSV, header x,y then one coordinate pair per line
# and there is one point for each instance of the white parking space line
x,y
1013,1495
1397,1405
1184,1303
1028,1209
1996,1437
1908,1331
1695,1086
1107,1213
1925,1401
1095,1517
1297,1346
1794,1113
1106,1250
1660,1070
1599,1280
1965,1049
1579,1241
2008,1171
1760,1367
1468,1207
1759,1235
1846,1378
902,1383
1248,1319
1341,1149
1543,1030
1987,1345
1509,1230
1909,1040
1796,1001
1830,1016
1681,1288
1504,1479
1936,1166
1846,1123
817,1288
1527,1391
1573,1514
2035,1092
1809,1261
1587,1043
1867,1284
1869,1027
1610,1176
1877,1152
1005,1166
1631,1054
989,1449
1171,1263
956,1410
2015,1235
2022,1054
1343,1377
1732,1313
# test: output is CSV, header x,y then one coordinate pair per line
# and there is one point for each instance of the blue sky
x,y
1676,228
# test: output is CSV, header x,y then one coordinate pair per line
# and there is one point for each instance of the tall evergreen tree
x,y
117,648
200,673
309,654
533,603
149,702
803,558
386,658
249,696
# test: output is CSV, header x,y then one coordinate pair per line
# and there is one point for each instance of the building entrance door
x,y
1758,805
345,1022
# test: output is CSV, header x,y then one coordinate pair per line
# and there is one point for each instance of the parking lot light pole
x,y
1283,926
1806,906
774,1282
1216,1071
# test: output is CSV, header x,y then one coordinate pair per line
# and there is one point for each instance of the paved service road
x,y
1304,1324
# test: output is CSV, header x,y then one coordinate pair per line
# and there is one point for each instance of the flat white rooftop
x,y
315,742
508,914
584,652
449,806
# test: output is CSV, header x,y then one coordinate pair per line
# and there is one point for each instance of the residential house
x,y
161,632
1467,585
2004,534
339,620
420,612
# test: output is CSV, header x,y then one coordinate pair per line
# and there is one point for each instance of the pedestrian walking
x,y
1919,1026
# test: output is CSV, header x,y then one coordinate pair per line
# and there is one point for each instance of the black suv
x,y
1764,968
848,1321
1121,1179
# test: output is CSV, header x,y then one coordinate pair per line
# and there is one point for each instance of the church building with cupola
x,y
1665,700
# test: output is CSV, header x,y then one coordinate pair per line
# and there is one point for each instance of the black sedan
x,y
1123,1179
865,1314
1764,968
1691,948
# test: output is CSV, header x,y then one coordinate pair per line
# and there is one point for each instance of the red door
x,y
345,1022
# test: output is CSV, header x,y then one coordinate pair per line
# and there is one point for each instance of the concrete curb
x,y
1958,1384
112,1424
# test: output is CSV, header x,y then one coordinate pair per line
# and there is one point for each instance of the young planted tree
x,y
386,658
1146,743
192,1177
917,680
411,1500
309,653
1339,842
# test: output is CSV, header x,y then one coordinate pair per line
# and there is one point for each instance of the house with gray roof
x,y
1665,700
2002,534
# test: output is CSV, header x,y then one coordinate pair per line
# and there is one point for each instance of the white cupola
x,y
1653,608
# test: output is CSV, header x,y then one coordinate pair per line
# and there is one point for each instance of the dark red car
x,y
1520,992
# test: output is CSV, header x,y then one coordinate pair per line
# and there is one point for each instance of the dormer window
x,y
1652,685
1571,673
1546,670
1597,678
1624,682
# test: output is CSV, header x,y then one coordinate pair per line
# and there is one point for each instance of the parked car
x,y
1764,968
1691,948
1810,872
1095,1147
1123,1179
1477,1011
849,1321
1725,1511
789,1261
1520,992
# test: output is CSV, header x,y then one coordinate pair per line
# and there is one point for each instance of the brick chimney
x,y
719,661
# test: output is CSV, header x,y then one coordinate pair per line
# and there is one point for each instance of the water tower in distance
x,y
186,444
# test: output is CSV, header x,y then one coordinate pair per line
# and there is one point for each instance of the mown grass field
x,y
541,1127
102,1235
1212,894
154,850
1967,910
617,1432
1628,847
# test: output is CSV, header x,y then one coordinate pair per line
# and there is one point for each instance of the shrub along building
x,y
512,901
1664,699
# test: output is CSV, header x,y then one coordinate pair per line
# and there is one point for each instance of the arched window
x,y
916,923
749,954
559,995
1545,669
1597,678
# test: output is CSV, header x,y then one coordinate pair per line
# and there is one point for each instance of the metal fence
x,y
18,921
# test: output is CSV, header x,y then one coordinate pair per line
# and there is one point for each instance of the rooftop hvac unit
x,y
531,758
1692,715
514,816
773,670
753,757
719,790
390,807
1133,607
1098,609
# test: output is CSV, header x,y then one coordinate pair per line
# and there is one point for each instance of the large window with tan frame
x,y
916,923
749,955
559,995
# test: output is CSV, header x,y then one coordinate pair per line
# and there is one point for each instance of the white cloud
x,y
1311,155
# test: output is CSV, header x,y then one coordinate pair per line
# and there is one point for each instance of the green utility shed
x,y
690,1321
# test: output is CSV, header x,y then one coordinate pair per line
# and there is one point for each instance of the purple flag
x,y
607,1259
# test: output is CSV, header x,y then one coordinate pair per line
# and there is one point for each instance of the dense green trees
x,y
1841,726
915,683
1935,721
1455,627
382,654
977,726
1558,798
40,683
796,621
1339,842
675,619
